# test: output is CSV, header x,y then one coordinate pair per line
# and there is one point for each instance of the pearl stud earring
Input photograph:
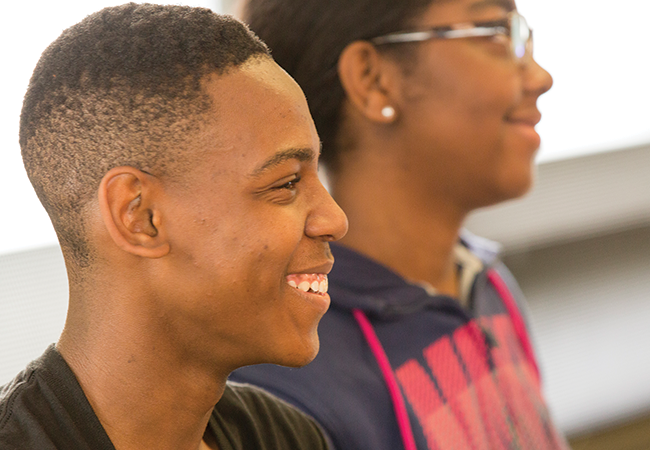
x,y
388,112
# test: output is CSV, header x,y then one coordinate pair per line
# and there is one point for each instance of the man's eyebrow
x,y
300,154
508,5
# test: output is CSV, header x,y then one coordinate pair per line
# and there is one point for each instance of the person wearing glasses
x,y
426,111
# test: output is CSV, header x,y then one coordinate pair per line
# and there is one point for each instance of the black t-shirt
x,y
44,408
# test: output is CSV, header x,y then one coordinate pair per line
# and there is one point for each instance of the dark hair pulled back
x,y
306,38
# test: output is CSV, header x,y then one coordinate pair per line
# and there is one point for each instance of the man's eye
x,y
291,184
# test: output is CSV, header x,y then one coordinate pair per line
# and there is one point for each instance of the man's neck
x,y
143,397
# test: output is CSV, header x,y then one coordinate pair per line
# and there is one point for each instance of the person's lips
x,y
523,123
530,119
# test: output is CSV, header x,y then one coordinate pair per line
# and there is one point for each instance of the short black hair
x,y
122,87
306,38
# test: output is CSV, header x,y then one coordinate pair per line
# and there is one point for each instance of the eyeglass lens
x,y
520,35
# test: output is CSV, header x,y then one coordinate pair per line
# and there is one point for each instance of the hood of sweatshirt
x,y
357,281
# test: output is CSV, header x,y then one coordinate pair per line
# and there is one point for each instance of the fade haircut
x,y
306,38
121,88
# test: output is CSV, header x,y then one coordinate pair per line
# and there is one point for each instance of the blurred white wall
x,y
596,52
590,307
33,304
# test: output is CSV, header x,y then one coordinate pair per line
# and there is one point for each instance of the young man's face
x,y
251,221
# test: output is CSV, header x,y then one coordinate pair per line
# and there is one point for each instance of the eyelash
x,y
290,185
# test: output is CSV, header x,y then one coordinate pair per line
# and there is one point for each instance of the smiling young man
x,y
178,164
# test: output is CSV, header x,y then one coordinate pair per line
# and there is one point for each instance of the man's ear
x,y
369,81
127,201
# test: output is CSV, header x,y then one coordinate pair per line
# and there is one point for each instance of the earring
x,y
388,112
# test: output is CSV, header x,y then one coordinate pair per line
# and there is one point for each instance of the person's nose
x,y
537,80
326,220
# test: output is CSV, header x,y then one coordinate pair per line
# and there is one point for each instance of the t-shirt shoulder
x,y
12,390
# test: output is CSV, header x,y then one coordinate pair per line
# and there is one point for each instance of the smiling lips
x,y
309,282
530,119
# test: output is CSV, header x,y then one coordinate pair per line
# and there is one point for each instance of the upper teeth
x,y
313,286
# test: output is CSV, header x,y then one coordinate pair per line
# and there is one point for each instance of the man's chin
x,y
302,356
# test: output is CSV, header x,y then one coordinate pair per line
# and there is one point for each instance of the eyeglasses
x,y
513,27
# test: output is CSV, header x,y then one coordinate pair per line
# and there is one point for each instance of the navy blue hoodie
x,y
467,375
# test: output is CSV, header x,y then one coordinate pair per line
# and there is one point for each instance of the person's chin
x,y
517,187
519,175
303,353
510,187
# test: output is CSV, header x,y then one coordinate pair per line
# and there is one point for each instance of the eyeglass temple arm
x,y
418,36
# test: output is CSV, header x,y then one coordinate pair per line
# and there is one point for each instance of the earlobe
x,y
367,81
126,201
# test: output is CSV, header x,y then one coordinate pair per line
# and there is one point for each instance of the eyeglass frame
x,y
521,51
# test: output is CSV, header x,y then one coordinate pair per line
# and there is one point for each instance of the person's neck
x,y
144,395
413,236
